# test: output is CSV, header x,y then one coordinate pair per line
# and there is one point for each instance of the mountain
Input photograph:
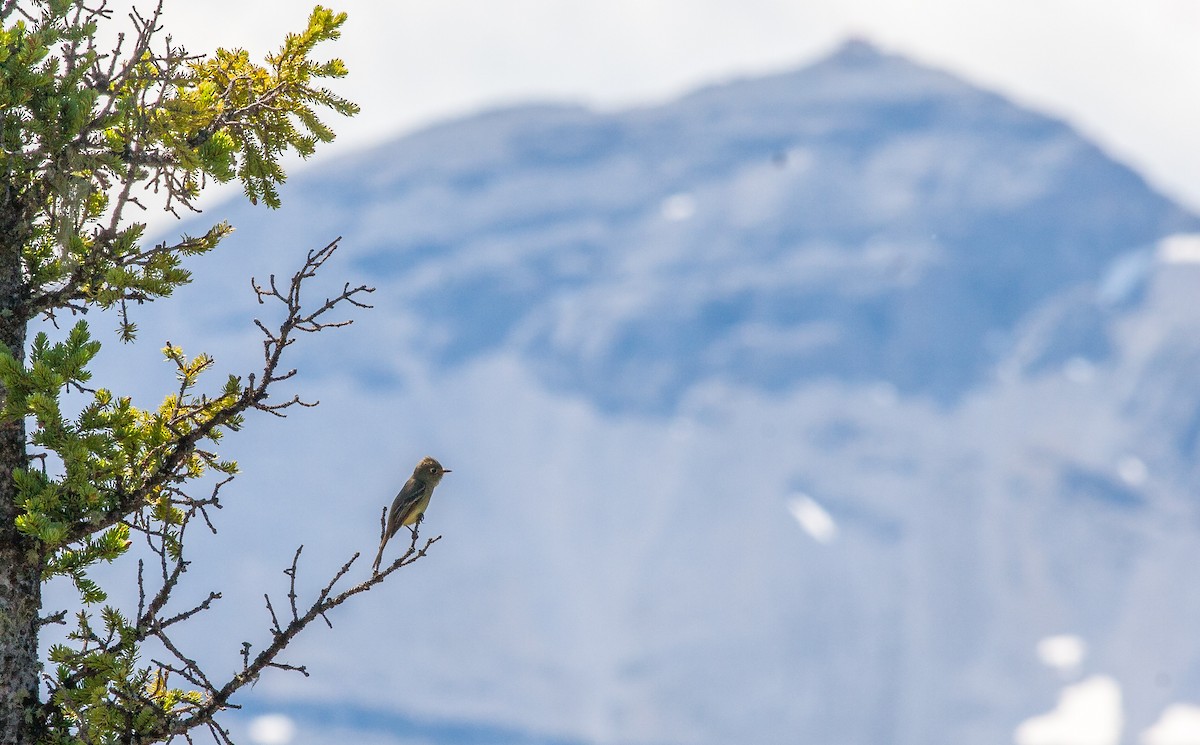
x,y
798,409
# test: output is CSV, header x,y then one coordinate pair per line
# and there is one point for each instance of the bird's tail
x,y
379,556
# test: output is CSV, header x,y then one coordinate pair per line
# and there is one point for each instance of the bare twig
x,y
253,396
291,573
56,617
326,600
185,615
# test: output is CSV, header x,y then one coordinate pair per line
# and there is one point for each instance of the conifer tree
x,y
89,136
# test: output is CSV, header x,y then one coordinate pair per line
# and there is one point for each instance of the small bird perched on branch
x,y
410,504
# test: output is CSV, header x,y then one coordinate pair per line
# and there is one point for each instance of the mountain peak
x,y
857,50
865,218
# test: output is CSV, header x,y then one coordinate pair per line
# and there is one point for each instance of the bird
x,y
408,508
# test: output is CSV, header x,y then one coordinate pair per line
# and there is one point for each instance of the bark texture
x,y
20,575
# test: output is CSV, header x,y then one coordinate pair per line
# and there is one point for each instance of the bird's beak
x,y
445,470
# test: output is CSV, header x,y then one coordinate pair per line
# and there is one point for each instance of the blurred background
x,y
814,372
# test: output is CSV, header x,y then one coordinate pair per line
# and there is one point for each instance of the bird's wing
x,y
410,495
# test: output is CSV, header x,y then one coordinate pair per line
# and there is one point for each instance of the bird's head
x,y
430,470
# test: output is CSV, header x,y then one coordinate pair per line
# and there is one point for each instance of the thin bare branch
x,y
56,617
253,396
326,600
291,573
185,615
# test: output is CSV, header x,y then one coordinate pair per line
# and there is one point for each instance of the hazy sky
x,y
1126,73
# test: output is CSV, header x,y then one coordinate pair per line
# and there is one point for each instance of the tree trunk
x,y
20,573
